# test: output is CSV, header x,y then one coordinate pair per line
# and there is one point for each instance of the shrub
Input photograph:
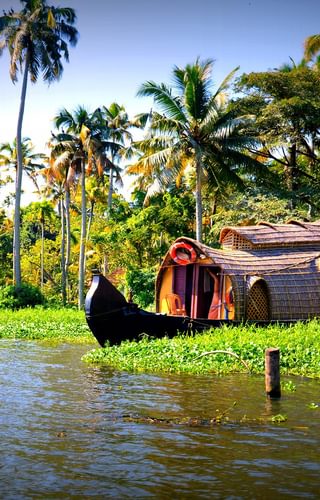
x,y
141,283
13,297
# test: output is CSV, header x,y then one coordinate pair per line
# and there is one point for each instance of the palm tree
x,y
117,136
42,211
83,150
194,130
36,37
30,160
58,189
311,47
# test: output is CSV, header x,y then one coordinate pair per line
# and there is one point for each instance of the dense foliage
x,y
299,345
204,159
14,297
47,325
141,286
299,351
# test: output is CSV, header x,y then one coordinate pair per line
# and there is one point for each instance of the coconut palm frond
x,y
162,95
311,46
71,176
153,160
160,124
197,89
224,85
140,120
155,143
202,68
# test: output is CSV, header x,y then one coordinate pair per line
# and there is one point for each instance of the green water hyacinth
x,y
47,325
299,351
221,350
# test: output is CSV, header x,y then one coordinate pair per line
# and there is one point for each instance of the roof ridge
x,y
268,224
301,224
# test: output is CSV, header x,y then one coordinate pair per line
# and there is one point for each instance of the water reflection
x,y
64,432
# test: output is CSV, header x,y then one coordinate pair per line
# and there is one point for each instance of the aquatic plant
x,y
277,419
236,349
49,325
314,406
289,386
299,346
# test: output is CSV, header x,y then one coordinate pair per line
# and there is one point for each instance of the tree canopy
x,y
206,157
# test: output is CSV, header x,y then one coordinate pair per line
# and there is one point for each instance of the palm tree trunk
x,y
18,183
110,189
105,264
42,254
110,184
82,237
90,220
88,230
62,252
68,237
292,175
198,200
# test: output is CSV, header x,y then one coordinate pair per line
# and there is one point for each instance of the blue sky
x,y
122,43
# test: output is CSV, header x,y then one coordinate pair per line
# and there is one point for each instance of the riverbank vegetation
x,y
221,350
47,325
208,352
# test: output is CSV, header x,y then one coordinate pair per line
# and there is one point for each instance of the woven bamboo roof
x,y
260,261
274,235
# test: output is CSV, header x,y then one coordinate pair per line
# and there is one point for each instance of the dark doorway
x,y
205,290
182,285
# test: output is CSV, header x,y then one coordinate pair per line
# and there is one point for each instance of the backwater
x,y
71,430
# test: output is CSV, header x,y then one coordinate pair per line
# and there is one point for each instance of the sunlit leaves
x,y
299,351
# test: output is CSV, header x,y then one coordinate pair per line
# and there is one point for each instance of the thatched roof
x,y
260,261
271,235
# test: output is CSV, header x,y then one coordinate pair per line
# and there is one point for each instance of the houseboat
x,y
264,273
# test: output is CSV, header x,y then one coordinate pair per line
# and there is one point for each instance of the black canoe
x,y
112,318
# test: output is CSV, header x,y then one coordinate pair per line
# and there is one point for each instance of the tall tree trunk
x,y
105,264
82,237
62,252
90,219
42,254
110,189
110,184
291,174
18,183
68,238
198,199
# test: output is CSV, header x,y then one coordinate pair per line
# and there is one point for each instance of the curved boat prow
x,y
103,296
103,303
112,318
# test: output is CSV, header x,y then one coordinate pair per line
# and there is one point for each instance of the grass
x,y
49,325
299,345
299,351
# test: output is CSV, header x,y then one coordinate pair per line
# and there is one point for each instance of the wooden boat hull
x,y
112,319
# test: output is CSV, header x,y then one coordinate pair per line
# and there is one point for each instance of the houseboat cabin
x,y
263,273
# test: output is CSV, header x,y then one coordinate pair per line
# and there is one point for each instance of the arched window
x,y
258,305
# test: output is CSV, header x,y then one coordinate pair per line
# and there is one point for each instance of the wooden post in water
x,y
272,372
